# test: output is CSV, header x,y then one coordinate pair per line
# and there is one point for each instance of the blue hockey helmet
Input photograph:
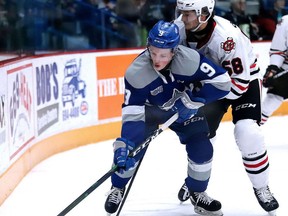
x,y
164,35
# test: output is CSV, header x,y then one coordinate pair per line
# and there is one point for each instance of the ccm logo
x,y
243,106
195,119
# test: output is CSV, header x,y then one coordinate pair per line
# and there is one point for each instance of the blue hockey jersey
x,y
145,86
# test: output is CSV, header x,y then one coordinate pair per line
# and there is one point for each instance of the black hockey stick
x,y
129,186
282,73
115,167
131,182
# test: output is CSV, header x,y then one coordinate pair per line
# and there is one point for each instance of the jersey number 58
x,y
233,66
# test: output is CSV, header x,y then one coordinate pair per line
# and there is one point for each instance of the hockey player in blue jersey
x,y
164,79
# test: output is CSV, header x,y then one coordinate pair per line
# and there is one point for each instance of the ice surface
x,y
53,184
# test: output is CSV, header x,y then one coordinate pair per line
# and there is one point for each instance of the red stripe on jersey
x,y
277,53
253,65
242,88
263,119
256,165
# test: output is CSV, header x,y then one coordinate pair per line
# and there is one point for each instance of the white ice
x,y
53,184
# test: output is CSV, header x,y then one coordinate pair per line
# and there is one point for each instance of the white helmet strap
x,y
201,22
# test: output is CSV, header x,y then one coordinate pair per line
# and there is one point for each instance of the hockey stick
x,y
282,73
129,186
115,167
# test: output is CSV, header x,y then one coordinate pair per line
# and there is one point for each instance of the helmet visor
x,y
187,16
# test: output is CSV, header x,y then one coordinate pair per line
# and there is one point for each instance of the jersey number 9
x,y
208,69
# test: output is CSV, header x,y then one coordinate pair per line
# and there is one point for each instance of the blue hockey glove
x,y
122,147
187,106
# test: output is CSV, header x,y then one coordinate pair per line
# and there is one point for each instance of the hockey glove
x,y
122,147
187,106
271,71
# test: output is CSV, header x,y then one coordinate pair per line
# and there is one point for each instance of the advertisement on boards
x,y
47,94
64,90
20,107
110,84
4,146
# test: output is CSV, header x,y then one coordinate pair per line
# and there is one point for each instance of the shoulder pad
x,y
141,73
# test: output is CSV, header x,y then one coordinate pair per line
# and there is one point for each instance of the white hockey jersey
x,y
229,47
278,49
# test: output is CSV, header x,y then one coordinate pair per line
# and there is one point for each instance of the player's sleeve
x,y
133,114
278,47
238,87
215,81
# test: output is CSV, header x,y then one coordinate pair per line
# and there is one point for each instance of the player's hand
x,y
187,106
122,147
271,71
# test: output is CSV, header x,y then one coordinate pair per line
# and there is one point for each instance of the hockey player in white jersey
x,y
225,44
165,79
276,76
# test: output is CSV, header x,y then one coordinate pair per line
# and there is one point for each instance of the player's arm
x,y
277,53
278,47
215,81
133,114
